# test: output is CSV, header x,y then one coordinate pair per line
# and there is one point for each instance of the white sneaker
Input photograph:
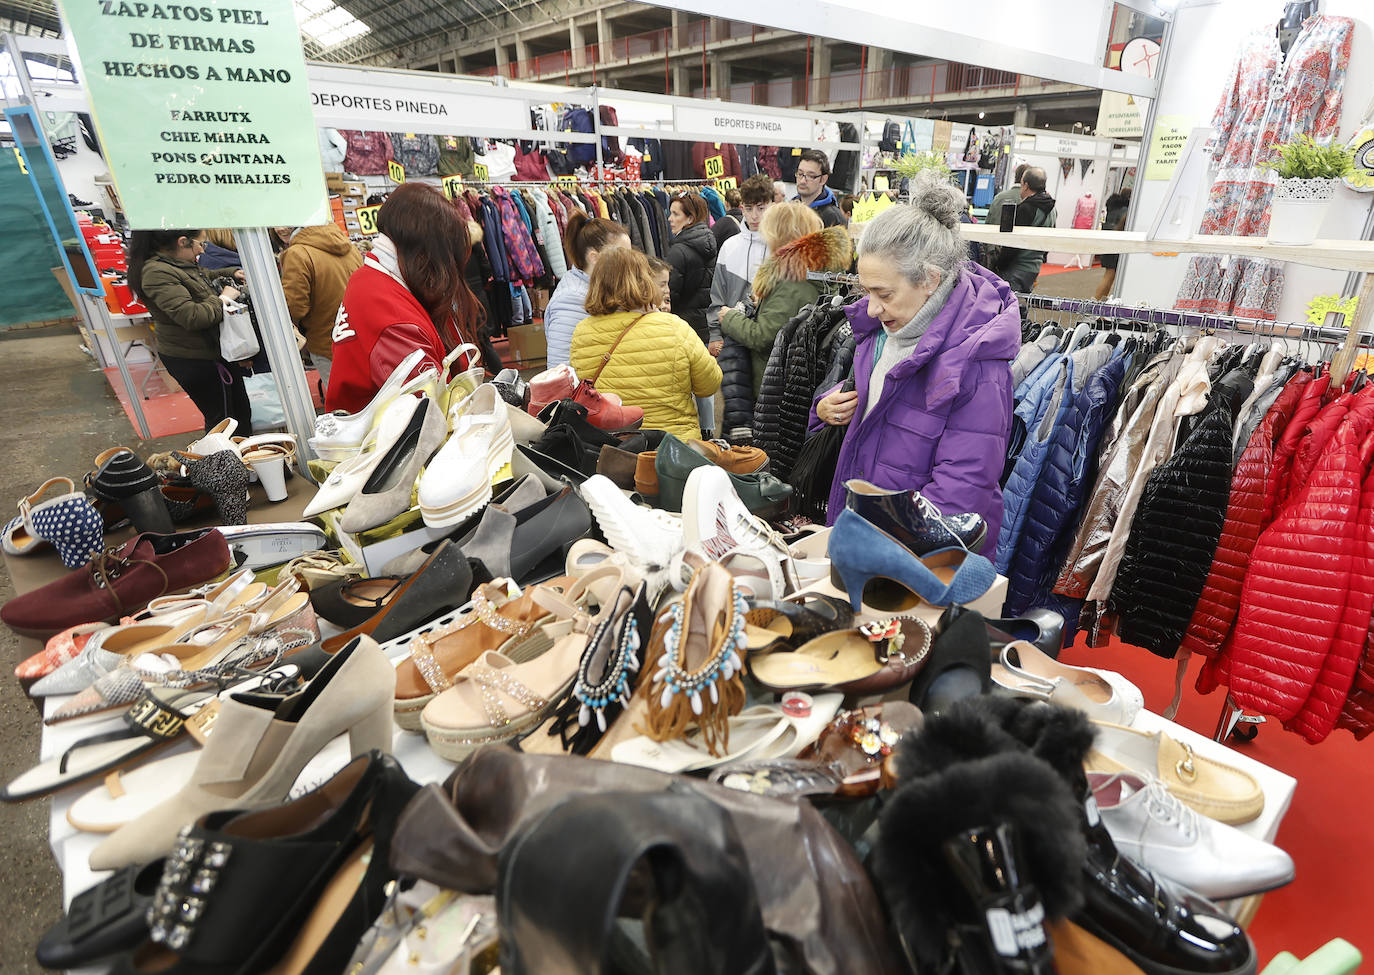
x,y
1163,835
717,525
338,436
457,481
649,537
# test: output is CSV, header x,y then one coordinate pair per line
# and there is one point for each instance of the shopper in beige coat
x,y
315,268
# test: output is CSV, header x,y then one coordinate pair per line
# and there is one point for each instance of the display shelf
x,y
1344,255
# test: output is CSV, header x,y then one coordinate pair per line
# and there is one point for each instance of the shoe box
x,y
528,349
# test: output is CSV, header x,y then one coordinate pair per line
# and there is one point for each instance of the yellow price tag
x,y
715,167
19,157
480,172
648,158
717,145
410,135
727,183
879,184
453,186
796,152
396,171
899,147
567,179
367,219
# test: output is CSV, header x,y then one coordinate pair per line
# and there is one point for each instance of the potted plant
x,y
1308,176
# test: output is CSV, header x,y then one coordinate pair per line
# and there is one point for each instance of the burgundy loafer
x,y
119,582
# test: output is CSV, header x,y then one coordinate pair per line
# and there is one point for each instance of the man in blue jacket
x,y
813,171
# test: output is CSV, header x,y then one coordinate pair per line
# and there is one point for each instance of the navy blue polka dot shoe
x,y
67,522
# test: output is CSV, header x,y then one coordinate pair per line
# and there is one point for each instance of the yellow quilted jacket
x,y
658,367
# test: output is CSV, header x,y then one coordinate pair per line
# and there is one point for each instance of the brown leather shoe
x,y
646,475
736,460
618,465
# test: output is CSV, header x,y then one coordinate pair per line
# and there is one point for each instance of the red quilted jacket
x,y
1313,444
1251,507
1306,601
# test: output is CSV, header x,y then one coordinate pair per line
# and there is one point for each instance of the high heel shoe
x,y
127,488
268,456
339,435
224,477
67,522
861,552
391,484
287,890
261,743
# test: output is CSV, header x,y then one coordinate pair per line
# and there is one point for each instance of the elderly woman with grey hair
x,y
930,406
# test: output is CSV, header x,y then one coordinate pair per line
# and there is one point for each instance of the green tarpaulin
x,y
28,290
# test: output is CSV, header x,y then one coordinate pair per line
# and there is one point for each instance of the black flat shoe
x,y
296,885
104,920
442,584
1042,627
958,667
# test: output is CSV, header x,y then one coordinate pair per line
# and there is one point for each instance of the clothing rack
x,y
1265,328
832,277
660,183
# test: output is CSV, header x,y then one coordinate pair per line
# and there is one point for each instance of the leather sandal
x,y
869,659
784,624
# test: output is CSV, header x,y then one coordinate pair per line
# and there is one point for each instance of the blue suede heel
x,y
860,552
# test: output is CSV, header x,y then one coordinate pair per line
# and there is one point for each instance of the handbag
x,y
237,340
605,359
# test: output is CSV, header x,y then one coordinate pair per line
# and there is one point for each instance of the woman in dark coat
x,y
692,255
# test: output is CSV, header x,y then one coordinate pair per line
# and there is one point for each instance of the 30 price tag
x,y
715,167
727,183
396,171
367,219
453,186
480,172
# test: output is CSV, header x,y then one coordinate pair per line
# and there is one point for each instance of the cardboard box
x,y
528,348
539,298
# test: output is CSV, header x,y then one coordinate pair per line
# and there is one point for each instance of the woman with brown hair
x,y
650,359
692,254
409,294
584,241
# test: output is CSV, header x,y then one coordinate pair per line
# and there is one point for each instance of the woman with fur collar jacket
x,y
798,243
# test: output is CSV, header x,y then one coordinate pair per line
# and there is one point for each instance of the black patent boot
x,y
999,926
1162,928
913,520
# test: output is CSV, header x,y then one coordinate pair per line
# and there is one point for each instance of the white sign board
x,y
379,101
732,124
1066,145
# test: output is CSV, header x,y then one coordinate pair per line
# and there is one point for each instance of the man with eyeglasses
x,y
813,172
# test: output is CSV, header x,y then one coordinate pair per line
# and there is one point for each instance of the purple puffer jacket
x,y
942,422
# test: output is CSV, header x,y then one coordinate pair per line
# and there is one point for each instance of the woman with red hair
x,y
409,294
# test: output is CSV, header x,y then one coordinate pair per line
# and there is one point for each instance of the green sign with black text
x,y
203,111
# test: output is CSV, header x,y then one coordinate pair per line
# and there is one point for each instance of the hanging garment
x,y
530,164
368,152
499,158
1250,508
1305,607
1269,99
456,157
494,241
524,262
651,158
333,149
419,154
702,151
1070,469
768,161
749,160
1174,537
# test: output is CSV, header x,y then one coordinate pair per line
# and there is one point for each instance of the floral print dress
x,y
1270,99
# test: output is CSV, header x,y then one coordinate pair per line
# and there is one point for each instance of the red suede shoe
x,y
605,411
119,582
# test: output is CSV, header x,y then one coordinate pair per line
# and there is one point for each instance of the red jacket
x,y
1248,511
1308,594
379,323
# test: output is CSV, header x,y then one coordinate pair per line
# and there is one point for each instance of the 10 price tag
x,y
727,183
396,171
453,186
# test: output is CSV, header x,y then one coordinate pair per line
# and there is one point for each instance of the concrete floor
x,y
58,413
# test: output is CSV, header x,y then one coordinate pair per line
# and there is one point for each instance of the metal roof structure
x,y
352,30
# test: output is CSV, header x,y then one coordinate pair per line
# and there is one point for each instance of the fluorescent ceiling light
x,y
326,23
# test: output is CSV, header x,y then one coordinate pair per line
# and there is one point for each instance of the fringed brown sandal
x,y
697,650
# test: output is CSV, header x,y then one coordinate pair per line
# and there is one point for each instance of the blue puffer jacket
x,y
1041,427
1066,478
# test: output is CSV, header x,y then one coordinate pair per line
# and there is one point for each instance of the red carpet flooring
x,y
1324,830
